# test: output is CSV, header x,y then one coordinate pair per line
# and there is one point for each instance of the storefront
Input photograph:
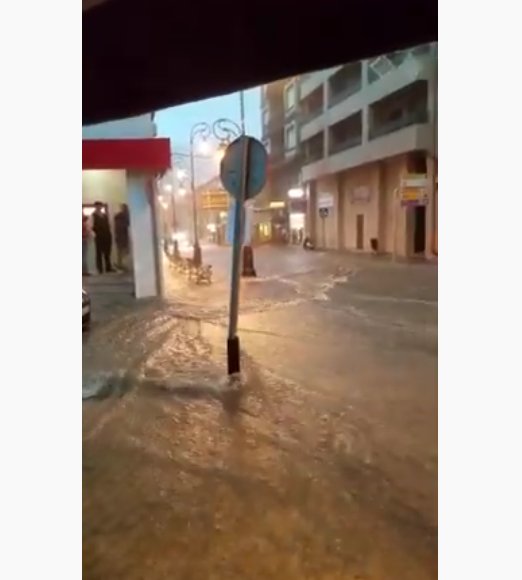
x,y
117,171
297,208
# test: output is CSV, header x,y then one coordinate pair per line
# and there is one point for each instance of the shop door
x,y
419,230
359,232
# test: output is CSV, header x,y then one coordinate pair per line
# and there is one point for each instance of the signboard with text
x,y
326,200
215,200
414,190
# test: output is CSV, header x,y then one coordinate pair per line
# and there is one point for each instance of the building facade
x,y
365,130
120,163
275,217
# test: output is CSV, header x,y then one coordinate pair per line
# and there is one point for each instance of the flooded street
x,y
319,463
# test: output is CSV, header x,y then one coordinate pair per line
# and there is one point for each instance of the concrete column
x,y
341,211
433,105
364,74
432,217
326,131
382,204
143,235
365,124
312,211
366,109
433,109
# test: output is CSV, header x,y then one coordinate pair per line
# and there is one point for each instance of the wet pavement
x,y
111,294
319,463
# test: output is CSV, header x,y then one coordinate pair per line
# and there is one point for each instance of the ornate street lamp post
x,y
225,130
177,188
202,131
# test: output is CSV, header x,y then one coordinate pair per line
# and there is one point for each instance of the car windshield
x,y
260,342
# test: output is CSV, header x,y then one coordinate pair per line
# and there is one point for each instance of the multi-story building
x,y
280,116
364,128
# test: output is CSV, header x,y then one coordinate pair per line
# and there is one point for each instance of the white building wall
x,y
143,228
141,127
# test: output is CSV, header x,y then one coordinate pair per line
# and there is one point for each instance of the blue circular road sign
x,y
231,170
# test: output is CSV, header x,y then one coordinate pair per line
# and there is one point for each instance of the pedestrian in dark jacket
x,y
103,240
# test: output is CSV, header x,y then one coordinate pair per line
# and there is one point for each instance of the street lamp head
x,y
226,130
182,192
202,130
204,147
181,173
167,187
221,150
296,193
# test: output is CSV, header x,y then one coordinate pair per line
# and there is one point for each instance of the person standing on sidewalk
x,y
86,236
103,240
122,237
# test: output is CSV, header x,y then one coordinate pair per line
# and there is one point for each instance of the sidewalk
x,y
110,294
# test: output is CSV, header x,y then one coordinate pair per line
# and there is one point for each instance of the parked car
x,y
86,311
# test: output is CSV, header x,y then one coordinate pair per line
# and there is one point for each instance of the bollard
x,y
198,256
248,270
233,356
177,255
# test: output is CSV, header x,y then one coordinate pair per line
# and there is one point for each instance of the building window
x,y
267,145
290,137
266,117
290,97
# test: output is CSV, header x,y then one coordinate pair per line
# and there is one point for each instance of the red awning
x,y
150,155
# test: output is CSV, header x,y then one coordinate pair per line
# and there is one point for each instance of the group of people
x,y
99,228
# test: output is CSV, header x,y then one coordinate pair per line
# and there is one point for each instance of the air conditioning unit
x,y
381,65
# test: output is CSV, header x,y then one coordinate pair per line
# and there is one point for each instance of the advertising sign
x,y
414,190
215,200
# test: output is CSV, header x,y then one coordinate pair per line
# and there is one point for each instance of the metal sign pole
x,y
242,111
243,175
233,346
195,218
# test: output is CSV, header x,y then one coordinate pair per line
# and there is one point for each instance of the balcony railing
x,y
335,97
408,119
308,116
348,143
312,156
279,155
